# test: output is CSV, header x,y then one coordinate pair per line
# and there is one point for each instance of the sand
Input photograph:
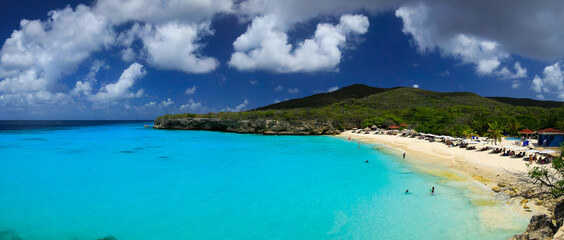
x,y
434,157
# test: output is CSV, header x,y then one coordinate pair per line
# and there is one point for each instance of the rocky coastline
x,y
255,126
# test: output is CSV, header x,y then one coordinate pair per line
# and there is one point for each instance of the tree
x,y
550,179
494,132
514,126
470,133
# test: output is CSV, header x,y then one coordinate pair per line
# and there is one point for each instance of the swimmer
x,y
432,191
366,161
407,191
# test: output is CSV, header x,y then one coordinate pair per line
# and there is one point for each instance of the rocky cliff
x,y
257,126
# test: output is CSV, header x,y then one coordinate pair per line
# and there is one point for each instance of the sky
x,y
139,59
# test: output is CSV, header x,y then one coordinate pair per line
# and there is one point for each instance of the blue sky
x,y
138,59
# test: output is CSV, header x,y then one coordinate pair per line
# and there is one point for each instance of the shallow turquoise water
x,y
139,183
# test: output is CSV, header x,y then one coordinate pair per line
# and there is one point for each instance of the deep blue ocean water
x,y
131,182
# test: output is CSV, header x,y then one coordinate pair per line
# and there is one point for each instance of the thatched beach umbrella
x,y
366,129
374,127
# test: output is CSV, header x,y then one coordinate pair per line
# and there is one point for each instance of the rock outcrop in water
x,y
257,126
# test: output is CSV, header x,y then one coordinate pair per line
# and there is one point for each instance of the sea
x,y
99,179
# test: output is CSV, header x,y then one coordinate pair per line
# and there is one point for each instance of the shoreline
x,y
478,172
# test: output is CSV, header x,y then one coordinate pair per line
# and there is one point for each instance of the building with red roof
x,y
393,127
550,137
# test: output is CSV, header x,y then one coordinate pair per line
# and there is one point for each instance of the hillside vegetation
x,y
426,111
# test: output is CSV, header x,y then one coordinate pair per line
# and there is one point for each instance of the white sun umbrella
x,y
519,148
509,146
532,151
495,146
548,151
473,142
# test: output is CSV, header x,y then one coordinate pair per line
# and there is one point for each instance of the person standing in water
x,y
432,190
403,155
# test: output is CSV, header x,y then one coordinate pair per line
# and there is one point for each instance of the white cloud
x,y
293,90
520,72
150,104
415,85
53,49
161,11
515,84
167,103
444,73
174,46
332,89
552,81
238,108
264,46
276,101
120,90
190,91
253,82
193,107
279,88
420,22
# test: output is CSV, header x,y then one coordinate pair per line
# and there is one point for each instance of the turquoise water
x,y
139,183
513,138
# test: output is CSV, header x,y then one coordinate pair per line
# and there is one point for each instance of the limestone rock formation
x,y
258,126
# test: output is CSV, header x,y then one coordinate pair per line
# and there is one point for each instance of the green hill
x,y
426,111
527,102
325,99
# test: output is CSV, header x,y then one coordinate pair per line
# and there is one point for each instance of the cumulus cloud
x,y
485,37
551,82
238,108
193,107
520,72
161,11
264,46
121,89
174,46
190,91
38,55
167,103
415,85
293,90
253,82
332,89
279,88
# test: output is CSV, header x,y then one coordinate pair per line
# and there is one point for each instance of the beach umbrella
x,y
508,146
366,129
473,142
519,148
532,151
548,151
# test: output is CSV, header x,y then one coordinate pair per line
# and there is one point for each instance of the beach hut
x,y
527,133
550,137
393,127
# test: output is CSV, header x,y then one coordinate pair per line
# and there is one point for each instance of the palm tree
x,y
494,132
514,126
470,133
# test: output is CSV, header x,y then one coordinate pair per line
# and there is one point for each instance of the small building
x,y
527,132
553,137
393,127
403,125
